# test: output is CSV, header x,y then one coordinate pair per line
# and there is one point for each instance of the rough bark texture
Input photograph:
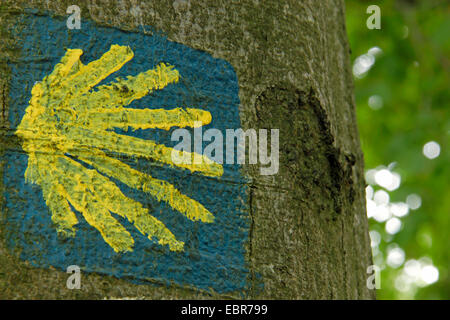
x,y
309,234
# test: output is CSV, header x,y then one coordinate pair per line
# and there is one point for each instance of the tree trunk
x,y
307,229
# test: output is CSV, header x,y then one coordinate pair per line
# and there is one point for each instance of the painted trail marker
x,y
94,184
66,123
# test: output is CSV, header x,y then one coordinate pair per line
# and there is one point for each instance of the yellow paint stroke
x,y
68,122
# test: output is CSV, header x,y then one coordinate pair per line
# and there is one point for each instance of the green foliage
x,y
409,86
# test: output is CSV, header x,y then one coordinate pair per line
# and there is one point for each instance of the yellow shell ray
x,y
68,116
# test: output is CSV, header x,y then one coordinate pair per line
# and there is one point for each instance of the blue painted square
x,y
214,255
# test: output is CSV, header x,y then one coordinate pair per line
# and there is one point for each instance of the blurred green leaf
x,y
411,77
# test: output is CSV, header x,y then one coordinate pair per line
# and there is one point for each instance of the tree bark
x,y
308,231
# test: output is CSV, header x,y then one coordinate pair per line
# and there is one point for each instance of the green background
x,y
408,81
